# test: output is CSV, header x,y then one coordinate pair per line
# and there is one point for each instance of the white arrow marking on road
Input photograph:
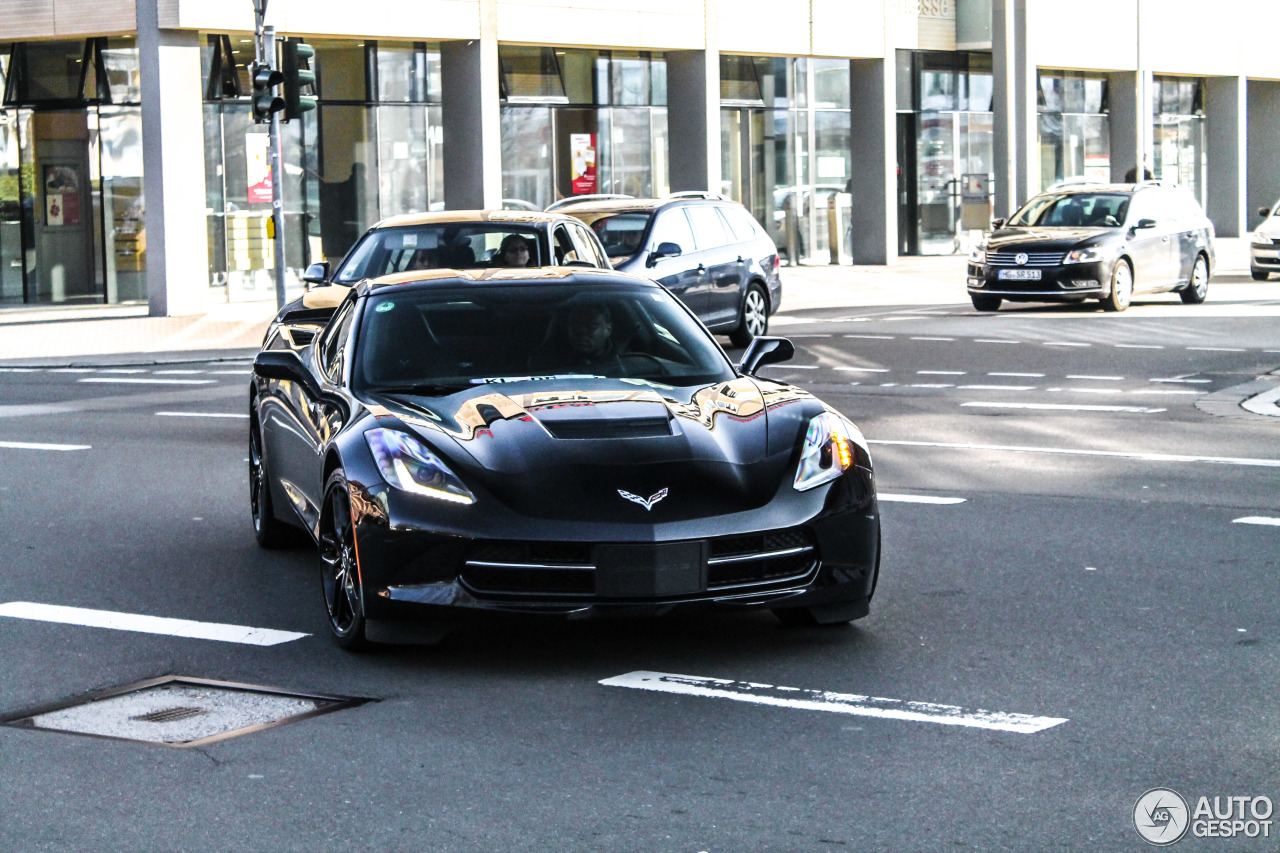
x,y
147,624
920,499
840,703
29,445
1115,454
201,415
1258,519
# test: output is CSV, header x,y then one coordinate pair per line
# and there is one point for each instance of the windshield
x,y
444,245
1097,210
438,340
621,233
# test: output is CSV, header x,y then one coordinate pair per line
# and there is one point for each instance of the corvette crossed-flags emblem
x,y
646,503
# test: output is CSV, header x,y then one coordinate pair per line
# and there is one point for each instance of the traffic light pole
x,y
277,186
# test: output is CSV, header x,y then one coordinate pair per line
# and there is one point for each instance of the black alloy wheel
x,y
267,529
339,573
1121,287
753,319
983,302
1198,288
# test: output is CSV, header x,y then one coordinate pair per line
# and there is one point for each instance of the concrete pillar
x,y
693,118
1130,122
1016,140
873,111
471,115
1226,115
1263,109
172,166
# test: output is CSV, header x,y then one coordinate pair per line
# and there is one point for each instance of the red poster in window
x,y
582,156
61,195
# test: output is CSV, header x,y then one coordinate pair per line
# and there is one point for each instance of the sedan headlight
x,y
407,464
1260,239
978,255
1083,256
828,450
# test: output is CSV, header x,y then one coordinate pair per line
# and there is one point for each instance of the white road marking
x,y
141,381
1095,378
1257,519
994,341
1064,407
823,700
201,415
1218,349
1188,381
245,372
18,369
919,499
865,369
814,335
121,370
147,624
1139,346
1021,375
72,370
27,445
872,337
888,384
940,372
175,372
796,366
931,339
996,387
1065,344
1164,391
929,385
1114,454
1094,390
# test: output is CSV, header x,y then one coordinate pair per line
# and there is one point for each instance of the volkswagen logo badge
x,y
1021,258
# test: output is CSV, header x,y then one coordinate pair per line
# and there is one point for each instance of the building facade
x,y
131,169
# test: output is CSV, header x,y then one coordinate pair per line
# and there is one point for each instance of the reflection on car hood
x,y
558,448
1271,227
1043,239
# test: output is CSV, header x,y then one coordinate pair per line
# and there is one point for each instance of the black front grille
x,y
760,558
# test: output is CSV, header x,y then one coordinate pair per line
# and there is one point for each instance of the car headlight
x,y
828,450
978,255
1260,239
1083,256
407,464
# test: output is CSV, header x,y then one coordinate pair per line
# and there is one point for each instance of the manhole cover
x,y
177,711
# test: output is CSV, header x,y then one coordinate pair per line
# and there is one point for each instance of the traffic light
x,y
296,64
265,100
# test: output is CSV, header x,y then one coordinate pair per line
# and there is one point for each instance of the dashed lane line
x,y
201,415
1063,407
1063,451
131,380
147,624
30,445
1258,519
918,499
825,700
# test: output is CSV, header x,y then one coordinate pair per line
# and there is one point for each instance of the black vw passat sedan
x,y
1102,242
559,442
707,250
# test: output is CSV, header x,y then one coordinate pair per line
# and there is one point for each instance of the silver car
x,y
1264,248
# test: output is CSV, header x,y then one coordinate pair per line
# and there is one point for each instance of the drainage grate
x,y
178,711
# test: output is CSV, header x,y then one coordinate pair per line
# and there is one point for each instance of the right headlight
x,y
978,255
408,464
1260,239
828,450
1083,256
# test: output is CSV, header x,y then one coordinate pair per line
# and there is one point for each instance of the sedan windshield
x,y
621,233
437,340
437,246
1073,210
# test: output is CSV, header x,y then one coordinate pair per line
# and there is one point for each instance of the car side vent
x,y
300,337
634,428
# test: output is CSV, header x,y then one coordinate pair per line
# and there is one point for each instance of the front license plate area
x,y
1020,275
648,571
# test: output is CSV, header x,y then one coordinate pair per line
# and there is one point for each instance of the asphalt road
x,y
1094,572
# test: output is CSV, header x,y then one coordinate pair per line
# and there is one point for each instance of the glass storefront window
x,y
402,73
530,72
120,59
12,178
341,68
831,84
123,203
1075,135
54,70
403,159
527,158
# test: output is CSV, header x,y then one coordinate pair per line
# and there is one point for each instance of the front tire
x,y
753,321
1198,288
1121,287
339,569
1259,275
983,302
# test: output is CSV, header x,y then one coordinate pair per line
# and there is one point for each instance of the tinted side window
x,y
708,228
587,249
564,248
673,227
741,223
335,340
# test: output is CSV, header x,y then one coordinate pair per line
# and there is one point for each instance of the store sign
x,y
61,196
582,157
926,8
258,166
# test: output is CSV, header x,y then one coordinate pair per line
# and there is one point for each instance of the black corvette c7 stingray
x,y
558,442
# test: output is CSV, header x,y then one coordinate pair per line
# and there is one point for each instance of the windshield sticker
x,y
410,239
492,380
384,307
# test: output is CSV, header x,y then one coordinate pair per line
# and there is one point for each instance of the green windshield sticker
x,y
384,306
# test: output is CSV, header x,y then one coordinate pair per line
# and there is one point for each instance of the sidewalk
x,y
45,336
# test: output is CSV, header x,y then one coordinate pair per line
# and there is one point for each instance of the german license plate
x,y
645,571
1020,275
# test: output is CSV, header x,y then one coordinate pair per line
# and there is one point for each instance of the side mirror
x,y
763,351
284,365
1264,212
664,250
997,224
316,273
1145,223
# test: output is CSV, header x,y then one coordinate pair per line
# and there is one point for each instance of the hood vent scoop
x,y
601,428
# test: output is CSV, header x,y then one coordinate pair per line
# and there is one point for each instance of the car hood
x,y
570,449
1270,227
1043,239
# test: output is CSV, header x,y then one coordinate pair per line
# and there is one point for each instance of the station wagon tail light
x,y
828,450
776,263
407,464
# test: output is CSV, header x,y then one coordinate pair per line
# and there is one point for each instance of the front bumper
x,y
1265,257
1065,283
413,574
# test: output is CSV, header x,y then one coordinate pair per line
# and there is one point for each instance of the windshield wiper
x,y
422,389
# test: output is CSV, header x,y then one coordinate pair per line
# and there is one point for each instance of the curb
x,y
1249,401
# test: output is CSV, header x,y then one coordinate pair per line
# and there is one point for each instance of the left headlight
x,y
979,255
1083,256
828,450
408,464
